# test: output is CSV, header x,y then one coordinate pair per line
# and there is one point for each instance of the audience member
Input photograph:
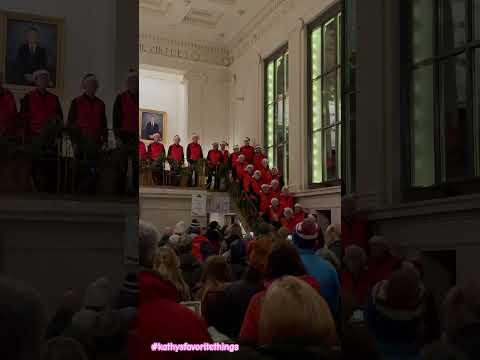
x,y
355,278
354,227
381,262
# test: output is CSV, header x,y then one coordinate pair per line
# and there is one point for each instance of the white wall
x,y
90,42
207,97
166,92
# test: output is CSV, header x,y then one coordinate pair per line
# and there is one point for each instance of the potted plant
x,y
158,168
200,171
185,174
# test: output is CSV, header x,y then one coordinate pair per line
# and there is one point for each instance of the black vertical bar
x,y
438,143
344,126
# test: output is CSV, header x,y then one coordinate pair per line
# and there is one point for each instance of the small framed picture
x,y
152,122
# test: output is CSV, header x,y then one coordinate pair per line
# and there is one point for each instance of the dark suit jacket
x,y
150,130
28,62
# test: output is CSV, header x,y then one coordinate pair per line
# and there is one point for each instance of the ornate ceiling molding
x,y
260,24
188,50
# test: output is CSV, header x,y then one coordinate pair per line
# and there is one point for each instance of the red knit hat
x,y
307,229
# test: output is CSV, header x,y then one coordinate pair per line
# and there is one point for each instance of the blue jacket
x,y
326,275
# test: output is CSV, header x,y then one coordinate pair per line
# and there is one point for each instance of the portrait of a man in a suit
x,y
32,44
152,123
31,56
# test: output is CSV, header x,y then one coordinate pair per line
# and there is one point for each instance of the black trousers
x,y
193,181
175,173
213,171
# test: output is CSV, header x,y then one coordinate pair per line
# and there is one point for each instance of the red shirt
x,y
90,117
194,152
156,150
8,111
286,201
175,153
214,158
249,152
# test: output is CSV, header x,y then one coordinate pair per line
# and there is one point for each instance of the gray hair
x,y
149,237
24,320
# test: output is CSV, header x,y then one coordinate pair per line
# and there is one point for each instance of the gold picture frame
x,y
162,118
10,41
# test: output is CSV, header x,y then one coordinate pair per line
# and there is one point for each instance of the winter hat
x,y
180,228
260,249
174,240
195,227
98,294
306,233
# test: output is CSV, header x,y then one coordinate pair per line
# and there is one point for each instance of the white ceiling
x,y
211,21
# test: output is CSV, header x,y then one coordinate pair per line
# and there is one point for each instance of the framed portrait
x,y
150,123
29,43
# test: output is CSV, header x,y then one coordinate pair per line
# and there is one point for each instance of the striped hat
x,y
195,226
307,229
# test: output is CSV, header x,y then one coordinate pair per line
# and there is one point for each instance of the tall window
x,y
276,110
444,93
325,94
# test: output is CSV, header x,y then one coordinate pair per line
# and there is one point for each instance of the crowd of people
x,y
278,297
40,121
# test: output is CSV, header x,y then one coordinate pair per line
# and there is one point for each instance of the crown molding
x,y
187,50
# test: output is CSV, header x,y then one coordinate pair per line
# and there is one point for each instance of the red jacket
x,y
214,158
194,152
265,200
275,194
286,202
360,288
162,319
249,332
240,170
156,150
233,159
249,152
256,186
247,182
266,176
355,233
257,161
175,153
8,111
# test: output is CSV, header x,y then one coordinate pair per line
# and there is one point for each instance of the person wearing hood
x,y
282,260
305,238
161,317
248,151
